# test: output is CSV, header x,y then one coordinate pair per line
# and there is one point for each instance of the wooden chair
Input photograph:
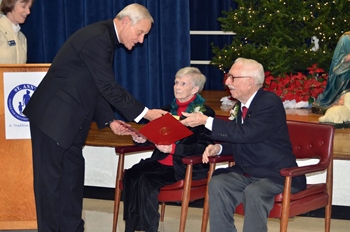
x,y
309,141
183,191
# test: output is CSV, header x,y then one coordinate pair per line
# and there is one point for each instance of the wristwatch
x,y
109,123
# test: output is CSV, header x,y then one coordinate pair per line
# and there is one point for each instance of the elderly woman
x,y
13,43
143,181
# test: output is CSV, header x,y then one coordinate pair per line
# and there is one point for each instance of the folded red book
x,y
164,130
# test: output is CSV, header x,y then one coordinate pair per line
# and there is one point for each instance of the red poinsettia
x,y
298,86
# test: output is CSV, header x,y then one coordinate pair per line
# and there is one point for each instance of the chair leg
x,y
116,208
286,204
117,193
328,209
186,197
162,211
205,215
328,213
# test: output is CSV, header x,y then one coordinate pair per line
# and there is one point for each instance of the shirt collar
x,y
16,28
247,104
116,31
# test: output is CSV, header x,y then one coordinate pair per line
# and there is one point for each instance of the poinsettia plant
x,y
300,86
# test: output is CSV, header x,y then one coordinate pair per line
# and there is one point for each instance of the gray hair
x,y
135,12
252,69
197,77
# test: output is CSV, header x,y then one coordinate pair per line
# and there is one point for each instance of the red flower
x,y
298,86
314,69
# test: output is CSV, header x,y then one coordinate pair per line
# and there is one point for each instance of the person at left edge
x,y
78,88
13,43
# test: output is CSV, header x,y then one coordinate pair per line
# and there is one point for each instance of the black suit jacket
x,y
80,86
261,145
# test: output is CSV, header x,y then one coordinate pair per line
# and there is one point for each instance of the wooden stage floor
x,y
341,137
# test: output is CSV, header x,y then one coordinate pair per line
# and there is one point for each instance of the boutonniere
x,y
234,112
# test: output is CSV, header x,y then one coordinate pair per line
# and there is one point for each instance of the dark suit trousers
x,y
228,190
58,183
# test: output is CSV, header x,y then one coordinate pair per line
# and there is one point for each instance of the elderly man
x,y
259,141
80,87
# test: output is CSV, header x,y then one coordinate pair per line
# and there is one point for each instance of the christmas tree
x,y
285,36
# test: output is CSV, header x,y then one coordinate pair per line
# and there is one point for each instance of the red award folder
x,y
165,130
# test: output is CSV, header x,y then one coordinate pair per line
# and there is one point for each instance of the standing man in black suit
x,y
78,88
260,144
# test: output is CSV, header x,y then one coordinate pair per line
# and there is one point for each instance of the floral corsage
x,y
197,106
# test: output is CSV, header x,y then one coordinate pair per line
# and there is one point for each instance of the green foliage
x,y
278,33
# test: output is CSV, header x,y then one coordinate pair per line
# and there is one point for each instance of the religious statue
x,y
338,114
338,77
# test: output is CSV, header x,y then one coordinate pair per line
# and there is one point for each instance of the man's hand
x,y
119,129
210,150
194,119
154,114
137,138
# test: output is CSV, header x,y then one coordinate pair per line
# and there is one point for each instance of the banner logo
x,y
18,99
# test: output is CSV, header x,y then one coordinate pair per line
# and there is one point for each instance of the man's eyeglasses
x,y
233,77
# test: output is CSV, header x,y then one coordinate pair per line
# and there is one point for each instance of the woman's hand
x,y
164,148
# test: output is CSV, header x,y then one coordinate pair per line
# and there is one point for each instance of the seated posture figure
x,y
338,76
142,182
338,113
259,141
